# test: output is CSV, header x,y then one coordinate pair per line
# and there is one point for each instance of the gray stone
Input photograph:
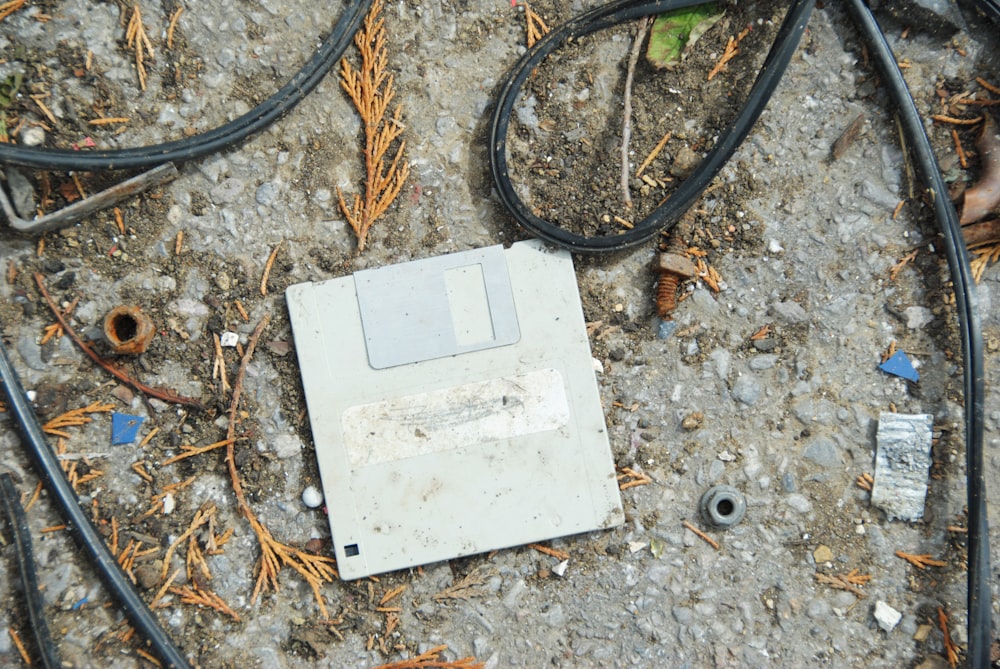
x,y
228,191
918,317
799,503
823,452
747,389
789,312
266,193
762,362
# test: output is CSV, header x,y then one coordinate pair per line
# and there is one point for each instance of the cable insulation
x,y
29,574
979,598
213,141
87,536
668,213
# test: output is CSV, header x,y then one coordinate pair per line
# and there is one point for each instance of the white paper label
x,y
467,415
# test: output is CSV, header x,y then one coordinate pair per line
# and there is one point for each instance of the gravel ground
x,y
789,419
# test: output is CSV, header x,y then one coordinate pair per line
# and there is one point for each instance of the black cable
x,y
979,598
212,141
29,575
690,190
79,524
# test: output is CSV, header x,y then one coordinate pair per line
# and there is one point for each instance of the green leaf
x,y
8,90
676,31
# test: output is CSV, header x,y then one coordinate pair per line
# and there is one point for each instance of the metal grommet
x,y
722,506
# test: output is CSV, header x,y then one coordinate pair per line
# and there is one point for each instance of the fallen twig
x,y
158,393
554,552
267,268
315,569
707,539
633,59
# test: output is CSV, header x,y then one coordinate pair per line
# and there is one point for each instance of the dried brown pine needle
x,y
536,26
19,645
630,478
137,40
188,451
950,649
653,154
921,561
315,569
704,537
267,268
848,582
8,8
207,598
74,418
865,481
432,659
370,89
730,52
392,594
173,26
554,552
466,588
906,260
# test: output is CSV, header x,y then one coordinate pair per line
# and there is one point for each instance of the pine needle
x,y
74,418
432,660
8,8
137,40
467,588
370,89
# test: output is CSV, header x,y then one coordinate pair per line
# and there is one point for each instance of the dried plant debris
x,y
137,40
371,91
468,587
432,658
983,198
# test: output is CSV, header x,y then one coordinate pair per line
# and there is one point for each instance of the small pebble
x,y
312,497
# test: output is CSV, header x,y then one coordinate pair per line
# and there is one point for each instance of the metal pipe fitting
x,y
722,506
128,330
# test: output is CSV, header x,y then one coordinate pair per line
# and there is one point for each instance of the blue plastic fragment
x,y
899,365
125,428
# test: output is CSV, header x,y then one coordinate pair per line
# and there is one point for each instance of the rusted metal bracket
x,y
87,206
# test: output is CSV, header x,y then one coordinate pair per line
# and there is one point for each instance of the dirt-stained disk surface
x,y
769,384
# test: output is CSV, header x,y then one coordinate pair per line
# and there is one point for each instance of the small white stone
x,y
229,339
33,136
774,247
560,569
636,546
168,504
598,366
312,497
726,456
886,616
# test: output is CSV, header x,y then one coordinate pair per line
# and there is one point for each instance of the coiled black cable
x,y
979,598
29,575
690,190
213,141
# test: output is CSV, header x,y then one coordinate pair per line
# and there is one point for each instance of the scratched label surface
x,y
466,415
